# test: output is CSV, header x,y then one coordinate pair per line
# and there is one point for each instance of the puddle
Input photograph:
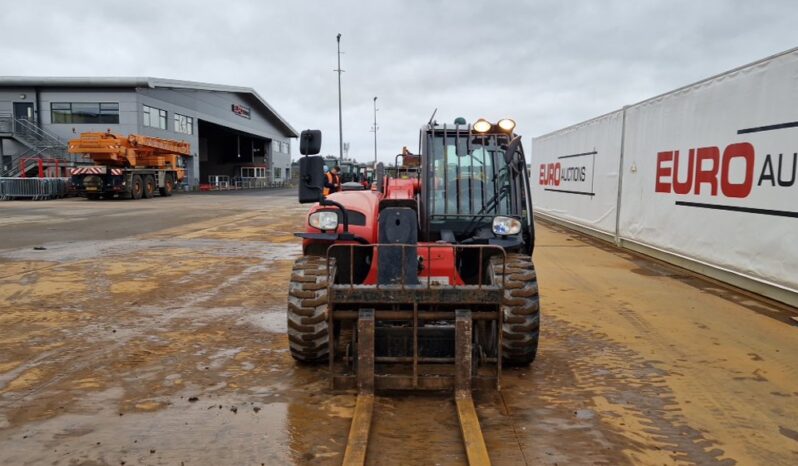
x,y
237,431
220,358
271,321
84,250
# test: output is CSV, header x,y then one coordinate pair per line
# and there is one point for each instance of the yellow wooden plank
x,y
358,441
475,447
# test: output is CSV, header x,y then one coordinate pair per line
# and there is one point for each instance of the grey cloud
x,y
547,64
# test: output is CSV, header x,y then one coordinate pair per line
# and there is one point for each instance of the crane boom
x,y
131,151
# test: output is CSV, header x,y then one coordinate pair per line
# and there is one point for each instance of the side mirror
x,y
311,179
512,148
310,142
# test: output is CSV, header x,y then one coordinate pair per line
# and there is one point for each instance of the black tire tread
x,y
166,191
148,181
520,306
134,194
308,335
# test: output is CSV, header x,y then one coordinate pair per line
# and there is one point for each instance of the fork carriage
x,y
416,332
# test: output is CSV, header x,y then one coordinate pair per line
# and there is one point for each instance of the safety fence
x,y
705,177
34,188
244,183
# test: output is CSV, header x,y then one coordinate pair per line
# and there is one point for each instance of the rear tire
x,y
168,186
308,332
136,187
520,308
149,187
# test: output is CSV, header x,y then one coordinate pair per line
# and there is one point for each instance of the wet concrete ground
x,y
152,332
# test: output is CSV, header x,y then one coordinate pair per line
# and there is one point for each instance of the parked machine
x,y
365,173
348,171
426,282
409,167
133,166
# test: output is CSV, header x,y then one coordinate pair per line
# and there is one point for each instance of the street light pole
x,y
340,119
375,128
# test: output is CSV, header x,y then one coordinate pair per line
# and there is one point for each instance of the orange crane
x,y
128,166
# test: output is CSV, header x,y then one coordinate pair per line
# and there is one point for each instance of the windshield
x,y
474,185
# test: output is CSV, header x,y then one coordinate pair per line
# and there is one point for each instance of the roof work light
x,y
506,124
482,126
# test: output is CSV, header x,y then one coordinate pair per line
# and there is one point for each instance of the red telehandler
x,y
424,283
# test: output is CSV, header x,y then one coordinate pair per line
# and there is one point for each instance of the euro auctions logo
x,y
570,174
708,169
733,172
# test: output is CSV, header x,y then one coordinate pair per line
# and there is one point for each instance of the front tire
x,y
308,332
520,308
136,187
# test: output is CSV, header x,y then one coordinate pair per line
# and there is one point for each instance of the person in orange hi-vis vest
x,y
329,182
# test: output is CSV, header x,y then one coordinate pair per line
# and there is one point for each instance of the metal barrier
x,y
257,183
6,123
219,183
33,188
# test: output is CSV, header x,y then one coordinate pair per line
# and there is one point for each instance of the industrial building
x,y
234,133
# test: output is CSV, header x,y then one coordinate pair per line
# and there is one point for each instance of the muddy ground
x,y
153,332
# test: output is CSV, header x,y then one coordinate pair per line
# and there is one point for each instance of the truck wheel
x,y
168,186
520,306
308,335
149,187
136,187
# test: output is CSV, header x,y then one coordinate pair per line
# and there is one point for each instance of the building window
x,y
253,172
84,112
184,124
154,117
278,173
287,173
284,146
276,147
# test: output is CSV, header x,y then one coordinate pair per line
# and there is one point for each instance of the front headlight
x,y
324,220
506,226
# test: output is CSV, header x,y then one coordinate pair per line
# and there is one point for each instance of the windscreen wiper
x,y
492,203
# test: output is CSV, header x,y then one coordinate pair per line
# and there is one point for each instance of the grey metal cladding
x,y
152,83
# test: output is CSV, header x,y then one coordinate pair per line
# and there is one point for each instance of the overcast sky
x,y
547,64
